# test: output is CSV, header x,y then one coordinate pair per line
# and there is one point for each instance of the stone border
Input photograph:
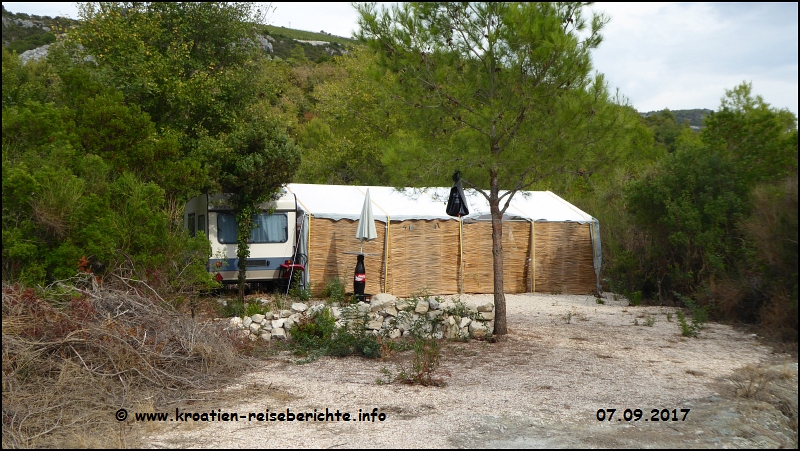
x,y
384,315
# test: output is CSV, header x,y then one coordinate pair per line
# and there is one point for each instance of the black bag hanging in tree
x,y
457,204
359,279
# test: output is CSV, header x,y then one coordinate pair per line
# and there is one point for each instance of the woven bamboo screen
x,y
423,256
564,258
479,270
328,241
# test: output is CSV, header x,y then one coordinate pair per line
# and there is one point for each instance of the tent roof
x,y
345,202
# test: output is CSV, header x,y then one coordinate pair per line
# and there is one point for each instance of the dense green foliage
x,y
706,225
140,108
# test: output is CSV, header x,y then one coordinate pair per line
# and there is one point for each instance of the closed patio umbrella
x,y
366,223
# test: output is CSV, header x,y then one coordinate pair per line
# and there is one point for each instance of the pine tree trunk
x,y
500,327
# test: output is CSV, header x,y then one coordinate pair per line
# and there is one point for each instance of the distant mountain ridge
x,y
694,116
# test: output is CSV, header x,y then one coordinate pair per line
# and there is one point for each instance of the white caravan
x,y
273,243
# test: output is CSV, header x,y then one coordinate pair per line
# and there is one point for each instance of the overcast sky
x,y
659,55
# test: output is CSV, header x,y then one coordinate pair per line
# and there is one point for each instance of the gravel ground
x,y
565,358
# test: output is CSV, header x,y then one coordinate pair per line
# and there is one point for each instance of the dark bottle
x,y
359,279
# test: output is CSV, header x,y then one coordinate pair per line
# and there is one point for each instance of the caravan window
x,y
201,223
270,228
191,224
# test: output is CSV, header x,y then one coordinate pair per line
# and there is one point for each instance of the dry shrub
x,y
729,295
773,230
70,361
752,380
779,319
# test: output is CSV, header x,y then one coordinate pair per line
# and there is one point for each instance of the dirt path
x,y
565,358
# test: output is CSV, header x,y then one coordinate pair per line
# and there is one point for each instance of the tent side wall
x,y
564,259
423,257
478,260
329,240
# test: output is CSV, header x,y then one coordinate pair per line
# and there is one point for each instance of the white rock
x,y
266,336
257,318
276,316
296,317
452,332
487,315
374,324
362,307
255,327
299,307
264,322
451,321
422,306
476,325
315,309
336,312
404,322
395,333
383,298
246,321
266,325
286,313
375,306
434,313
390,311
486,307
279,333
278,323
401,304
465,320
236,321
434,304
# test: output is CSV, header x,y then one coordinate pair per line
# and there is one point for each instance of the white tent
x,y
345,202
392,206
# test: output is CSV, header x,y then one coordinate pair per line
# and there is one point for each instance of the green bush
x,y
427,357
334,291
317,335
699,316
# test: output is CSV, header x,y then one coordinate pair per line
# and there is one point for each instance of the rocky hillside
x,y
22,32
30,35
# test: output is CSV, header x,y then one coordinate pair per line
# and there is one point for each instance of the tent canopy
x,y
346,202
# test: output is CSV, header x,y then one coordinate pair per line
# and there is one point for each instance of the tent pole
x,y
530,263
460,256
533,256
386,257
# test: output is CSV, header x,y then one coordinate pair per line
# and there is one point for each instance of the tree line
x,y
145,105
